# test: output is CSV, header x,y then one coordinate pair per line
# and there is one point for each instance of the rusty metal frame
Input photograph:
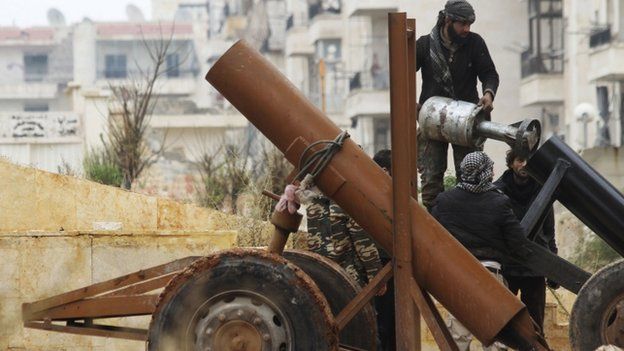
x,y
124,296
402,33
400,113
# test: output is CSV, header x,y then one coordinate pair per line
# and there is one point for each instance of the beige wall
x,y
48,245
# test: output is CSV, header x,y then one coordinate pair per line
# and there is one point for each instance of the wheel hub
x,y
240,321
613,323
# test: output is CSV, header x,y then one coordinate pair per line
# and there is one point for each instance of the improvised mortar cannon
x,y
257,300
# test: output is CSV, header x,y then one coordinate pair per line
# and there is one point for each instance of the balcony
x,y
371,8
29,90
367,96
39,127
325,26
298,42
222,120
540,89
600,36
605,59
184,83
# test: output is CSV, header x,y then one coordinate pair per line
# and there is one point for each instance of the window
x,y
382,133
35,67
36,107
173,65
115,66
546,29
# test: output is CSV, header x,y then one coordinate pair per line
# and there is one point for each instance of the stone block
x,y
171,215
17,198
102,203
55,204
10,251
52,265
119,255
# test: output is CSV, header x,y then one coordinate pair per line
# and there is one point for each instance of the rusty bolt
x,y
257,321
239,313
222,317
266,337
209,331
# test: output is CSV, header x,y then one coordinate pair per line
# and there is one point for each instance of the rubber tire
x,y
339,289
592,301
275,279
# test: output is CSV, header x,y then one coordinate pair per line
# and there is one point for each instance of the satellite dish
x,y
56,18
134,13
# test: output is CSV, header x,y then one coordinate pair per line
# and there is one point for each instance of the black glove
x,y
553,285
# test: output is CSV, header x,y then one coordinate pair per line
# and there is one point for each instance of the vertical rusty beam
x,y
399,122
413,136
413,96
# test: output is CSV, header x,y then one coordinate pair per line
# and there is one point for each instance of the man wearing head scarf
x,y
481,218
451,58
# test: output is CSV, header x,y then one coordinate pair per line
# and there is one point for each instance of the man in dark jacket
x,y
522,190
451,58
481,218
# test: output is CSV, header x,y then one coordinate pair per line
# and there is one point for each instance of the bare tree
x,y
131,111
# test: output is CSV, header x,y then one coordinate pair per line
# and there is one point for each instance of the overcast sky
x,y
26,13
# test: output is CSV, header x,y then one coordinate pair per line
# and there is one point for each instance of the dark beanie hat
x,y
459,10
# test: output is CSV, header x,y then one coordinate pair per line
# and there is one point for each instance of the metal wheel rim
x,y
213,323
612,323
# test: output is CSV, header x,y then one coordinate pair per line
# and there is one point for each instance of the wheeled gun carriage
x,y
245,299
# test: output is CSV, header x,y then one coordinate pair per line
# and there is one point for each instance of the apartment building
x,y
349,38
557,62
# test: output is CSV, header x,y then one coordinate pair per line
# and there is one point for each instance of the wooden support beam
x,y
432,317
29,309
100,307
143,287
351,309
93,330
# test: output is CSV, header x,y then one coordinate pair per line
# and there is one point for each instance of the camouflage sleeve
x,y
319,234
366,249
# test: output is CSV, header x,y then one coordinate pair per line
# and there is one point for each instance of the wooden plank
x,y
29,309
351,309
143,287
432,317
93,330
101,307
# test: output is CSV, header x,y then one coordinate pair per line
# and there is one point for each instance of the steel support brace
x,y
538,210
399,122
410,298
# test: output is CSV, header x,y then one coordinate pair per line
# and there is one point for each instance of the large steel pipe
x,y
441,265
583,191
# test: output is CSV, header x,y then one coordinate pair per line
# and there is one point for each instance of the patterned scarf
x,y
441,71
477,172
460,10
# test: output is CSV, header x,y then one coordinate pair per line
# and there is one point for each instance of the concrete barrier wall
x,y
53,239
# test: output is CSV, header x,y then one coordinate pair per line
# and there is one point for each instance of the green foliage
x,y
100,166
592,253
449,181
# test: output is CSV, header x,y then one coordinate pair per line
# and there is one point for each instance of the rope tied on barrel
x,y
309,168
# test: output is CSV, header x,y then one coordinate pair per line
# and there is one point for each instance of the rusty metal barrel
x,y
583,191
441,264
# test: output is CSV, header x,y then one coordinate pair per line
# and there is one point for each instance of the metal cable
x,y
320,158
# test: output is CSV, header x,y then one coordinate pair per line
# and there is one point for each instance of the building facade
x,y
557,62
